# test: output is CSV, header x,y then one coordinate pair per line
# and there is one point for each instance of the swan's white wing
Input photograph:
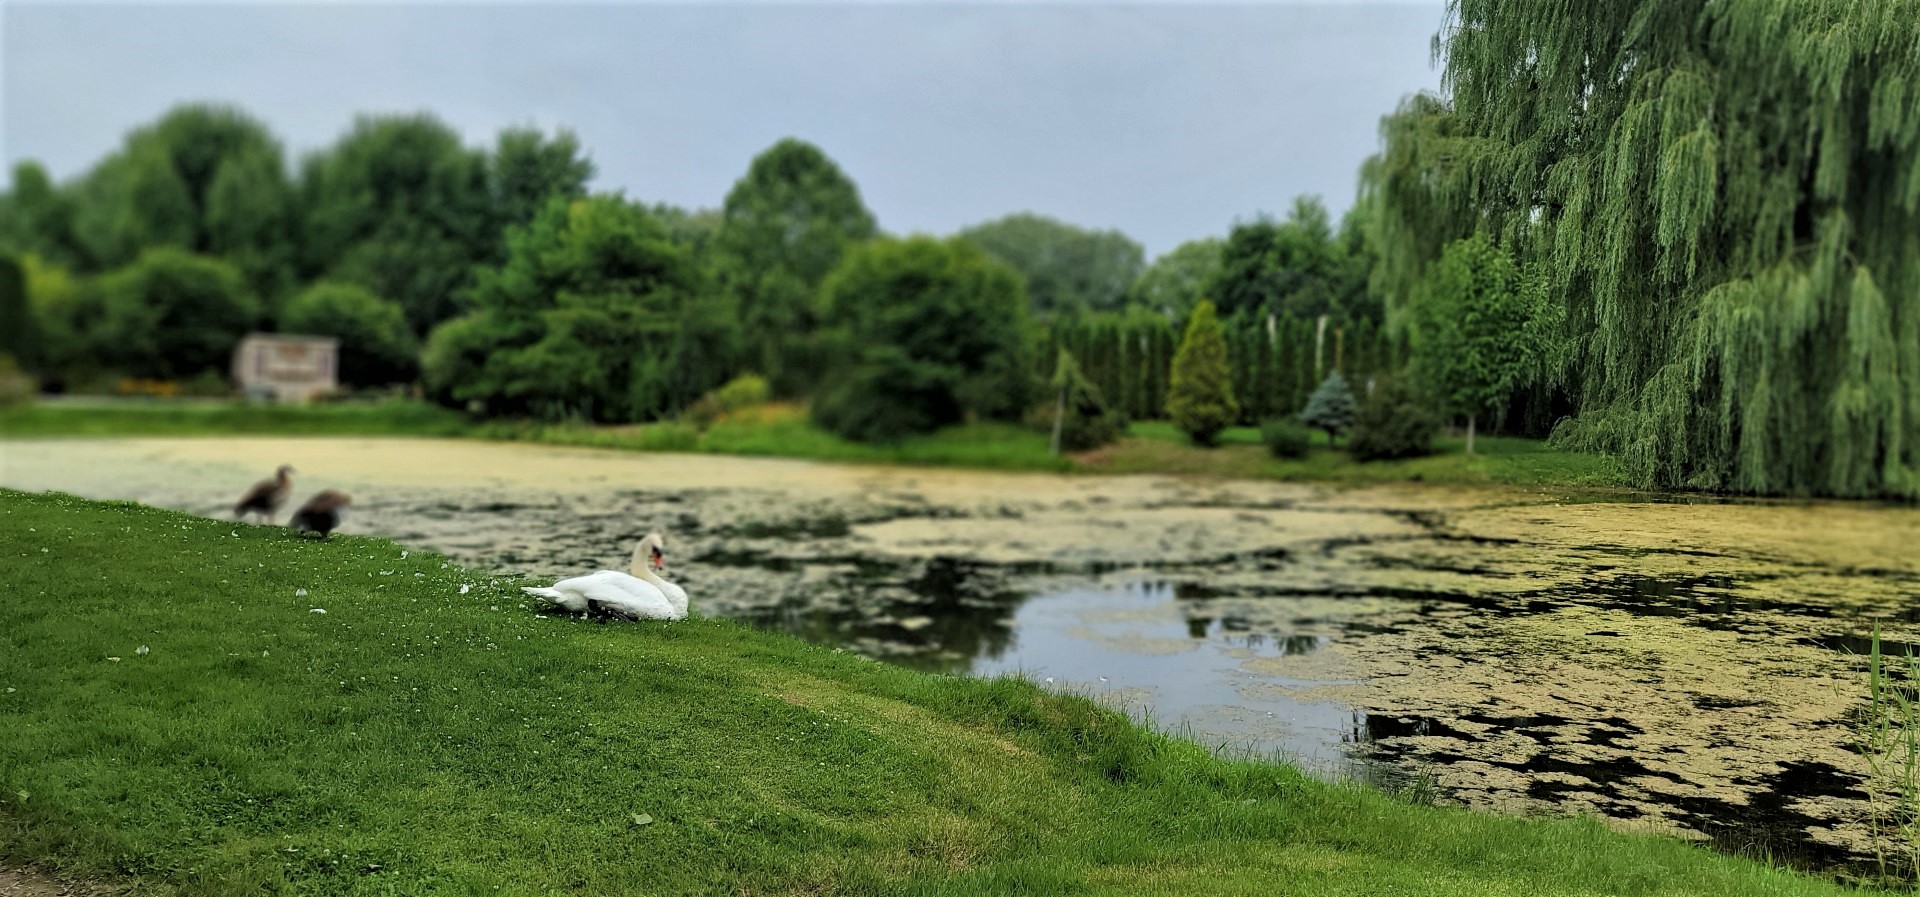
x,y
632,597
676,595
574,594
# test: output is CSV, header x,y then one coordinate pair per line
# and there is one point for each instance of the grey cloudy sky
x,y
1167,121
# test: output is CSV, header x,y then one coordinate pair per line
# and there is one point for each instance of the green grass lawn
x,y
784,431
178,713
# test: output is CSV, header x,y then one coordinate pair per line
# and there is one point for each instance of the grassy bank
x,y
784,431
179,712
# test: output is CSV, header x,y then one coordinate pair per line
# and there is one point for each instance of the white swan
x,y
637,595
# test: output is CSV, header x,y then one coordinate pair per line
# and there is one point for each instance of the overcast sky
x,y
1167,121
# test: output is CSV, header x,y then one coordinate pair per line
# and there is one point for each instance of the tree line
x,y
494,279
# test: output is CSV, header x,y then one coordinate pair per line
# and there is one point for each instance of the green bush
x,y
1395,422
376,347
744,391
1078,408
1286,438
924,333
1200,399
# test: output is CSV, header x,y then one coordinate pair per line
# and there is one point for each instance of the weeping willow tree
x,y
1726,196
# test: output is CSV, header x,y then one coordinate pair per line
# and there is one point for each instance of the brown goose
x,y
322,513
266,496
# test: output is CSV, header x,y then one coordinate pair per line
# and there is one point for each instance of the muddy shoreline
x,y
1679,666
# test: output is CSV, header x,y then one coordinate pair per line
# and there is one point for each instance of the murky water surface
x,y
1682,666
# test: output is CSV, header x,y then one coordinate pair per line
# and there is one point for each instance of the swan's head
x,y
284,470
651,553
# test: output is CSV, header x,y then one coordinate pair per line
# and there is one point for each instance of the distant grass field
x,y
780,430
178,714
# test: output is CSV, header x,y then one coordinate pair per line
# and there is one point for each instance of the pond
x,y
1686,666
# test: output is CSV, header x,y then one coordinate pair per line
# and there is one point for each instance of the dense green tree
x,y
376,345
1331,407
1294,267
1200,397
36,217
527,169
924,333
594,314
1479,330
1067,268
19,326
207,179
401,207
1177,279
1725,196
171,314
784,226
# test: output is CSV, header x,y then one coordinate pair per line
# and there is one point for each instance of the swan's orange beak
x,y
659,560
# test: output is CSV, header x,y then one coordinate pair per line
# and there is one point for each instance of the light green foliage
x,y
1177,279
738,394
1200,396
1068,268
784,226
170,315
376,346
19,326
594,314
1726,198
1479,329
527,169
923,333
1331,407
401,207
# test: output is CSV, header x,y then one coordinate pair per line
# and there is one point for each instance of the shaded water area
x,y
1677,665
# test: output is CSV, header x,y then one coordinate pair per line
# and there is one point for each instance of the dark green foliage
x,y
594,314
1068,268
171,315
784,226
376,346
1078,410
207,179
1397,421
1330,408
922,333
37,217
1286,438
527,170
1725,196
1200,398
1295,267
400,207
19,327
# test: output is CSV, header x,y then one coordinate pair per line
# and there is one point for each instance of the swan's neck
x,y
642,570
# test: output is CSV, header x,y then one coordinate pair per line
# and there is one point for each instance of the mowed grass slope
x,y
429,734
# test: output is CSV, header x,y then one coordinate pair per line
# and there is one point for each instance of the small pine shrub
x,y
1200,398
1330,408
1286,438
1395,422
